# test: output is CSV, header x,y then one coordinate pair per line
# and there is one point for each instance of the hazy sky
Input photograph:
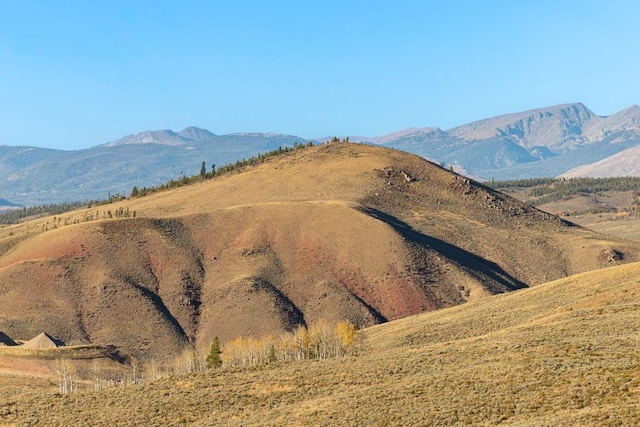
x,y
74,74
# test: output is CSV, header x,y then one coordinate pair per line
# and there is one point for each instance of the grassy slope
x,y
612,224
336,231
564,353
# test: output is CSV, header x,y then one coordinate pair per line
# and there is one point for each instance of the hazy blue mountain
x,y
15,159
195,134
34,176
543,142
565,161
624,163
535,143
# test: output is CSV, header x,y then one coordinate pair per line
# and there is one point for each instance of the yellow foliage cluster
x,y
320,341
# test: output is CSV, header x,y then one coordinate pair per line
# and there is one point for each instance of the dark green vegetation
x,y
15,215
213,358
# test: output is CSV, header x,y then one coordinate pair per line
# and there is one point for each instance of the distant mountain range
x,y
164,137
32,176
567,140
539,143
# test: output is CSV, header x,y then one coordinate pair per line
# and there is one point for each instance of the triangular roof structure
x,y
6,340
43,341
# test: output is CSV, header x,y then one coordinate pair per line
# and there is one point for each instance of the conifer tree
x,y
213,358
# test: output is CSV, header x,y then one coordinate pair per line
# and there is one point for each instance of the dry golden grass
x,y
618,224
29,369
564,353
621,226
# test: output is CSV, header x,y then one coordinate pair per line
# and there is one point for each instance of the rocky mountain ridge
x,y
163,137
543,142
540,142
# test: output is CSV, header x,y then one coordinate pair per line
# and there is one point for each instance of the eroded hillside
x,y
336,231
563,353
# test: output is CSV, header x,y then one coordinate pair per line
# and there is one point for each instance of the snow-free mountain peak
x,y
425,133
163,137
195,134
554,127
625,120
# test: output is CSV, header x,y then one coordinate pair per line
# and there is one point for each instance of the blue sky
x,y
74,74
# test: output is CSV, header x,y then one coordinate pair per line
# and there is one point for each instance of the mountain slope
x,y
557,127
143,160
564,353
624,163
536,143
336,231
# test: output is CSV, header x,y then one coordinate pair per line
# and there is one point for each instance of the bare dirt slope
x,y
563,353
336,231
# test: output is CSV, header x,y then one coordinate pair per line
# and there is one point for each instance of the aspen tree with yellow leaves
x,y
345,332
320,341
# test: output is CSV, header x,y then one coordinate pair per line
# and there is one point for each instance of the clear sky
x,y
74,74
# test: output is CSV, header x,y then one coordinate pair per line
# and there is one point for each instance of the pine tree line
x,y
14,216
214,173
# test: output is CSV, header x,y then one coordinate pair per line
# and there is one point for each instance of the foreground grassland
x,y
564,353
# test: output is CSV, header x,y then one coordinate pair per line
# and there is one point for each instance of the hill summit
x,y
337,231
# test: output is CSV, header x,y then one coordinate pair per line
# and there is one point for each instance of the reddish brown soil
x,y
337,231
